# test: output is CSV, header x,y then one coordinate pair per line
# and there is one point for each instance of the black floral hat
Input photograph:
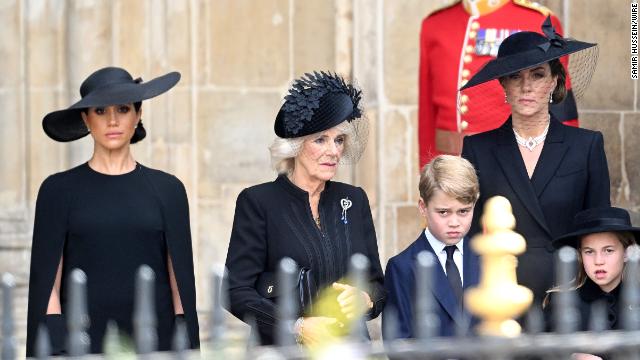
x,y
316,102
105,87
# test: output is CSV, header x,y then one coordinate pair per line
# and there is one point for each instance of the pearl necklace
x,y
532,142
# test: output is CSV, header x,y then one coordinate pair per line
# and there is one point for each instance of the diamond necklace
x,y
532,142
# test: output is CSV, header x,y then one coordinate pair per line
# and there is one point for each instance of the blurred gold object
x,y
498,299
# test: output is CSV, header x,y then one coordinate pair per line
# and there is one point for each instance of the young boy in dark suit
x,y
449,190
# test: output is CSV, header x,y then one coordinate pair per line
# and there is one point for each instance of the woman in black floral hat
x,y
305,216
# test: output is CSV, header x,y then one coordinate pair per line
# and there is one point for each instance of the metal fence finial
x,y
144,317
498,299
565,313
78,318
427,321
358,270
8,326
287,307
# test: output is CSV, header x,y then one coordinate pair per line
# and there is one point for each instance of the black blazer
x,y
273,220
400,282
571,175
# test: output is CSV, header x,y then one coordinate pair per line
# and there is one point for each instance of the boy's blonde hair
x,y
453,175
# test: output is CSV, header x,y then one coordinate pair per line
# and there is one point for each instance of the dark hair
x,y
139,133
557,69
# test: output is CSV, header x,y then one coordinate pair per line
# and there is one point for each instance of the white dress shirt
x,y
438,247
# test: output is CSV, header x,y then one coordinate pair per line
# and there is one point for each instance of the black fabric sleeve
x,y
378,293
49,235
599,188
175,208
246,259
57,329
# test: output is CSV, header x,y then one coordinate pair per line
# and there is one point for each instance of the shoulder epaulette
x,y
534,6
445,7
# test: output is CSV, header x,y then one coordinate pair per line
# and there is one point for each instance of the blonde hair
x,y
284,150
453,175
626,238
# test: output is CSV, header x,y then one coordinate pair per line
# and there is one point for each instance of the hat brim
x,y
507,65
67,125
573,239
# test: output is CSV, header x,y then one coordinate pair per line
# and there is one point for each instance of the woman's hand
x,y
318,330
353,302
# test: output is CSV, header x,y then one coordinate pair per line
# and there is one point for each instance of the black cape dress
x,y
108,226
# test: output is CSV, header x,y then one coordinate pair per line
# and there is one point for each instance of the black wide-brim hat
x,y
105,87
524,50
597,220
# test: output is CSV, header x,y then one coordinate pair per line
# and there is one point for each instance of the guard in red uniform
x,y
455,42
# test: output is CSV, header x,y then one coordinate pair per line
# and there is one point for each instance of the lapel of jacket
x,y
470,266
508,156
441,289
551,156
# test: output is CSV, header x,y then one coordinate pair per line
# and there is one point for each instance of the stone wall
x,y
237,58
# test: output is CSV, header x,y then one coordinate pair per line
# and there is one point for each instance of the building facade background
x,y
237,59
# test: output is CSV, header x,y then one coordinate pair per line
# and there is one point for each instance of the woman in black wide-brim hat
x,y
601,237
305,216
547,170
108,217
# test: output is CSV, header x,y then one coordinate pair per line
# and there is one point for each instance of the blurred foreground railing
x,y
621,344
498,245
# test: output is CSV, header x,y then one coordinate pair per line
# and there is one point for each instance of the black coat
x,y
108,226
273,220
571,175
589,294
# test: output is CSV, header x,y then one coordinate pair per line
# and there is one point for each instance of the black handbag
x,y
304,289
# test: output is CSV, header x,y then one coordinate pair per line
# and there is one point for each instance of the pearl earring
x,y
551,98
505,98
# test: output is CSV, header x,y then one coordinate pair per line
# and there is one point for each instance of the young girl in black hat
x,y
601,236
108,217
547,170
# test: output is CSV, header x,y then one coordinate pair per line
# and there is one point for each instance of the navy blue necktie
x,y
453,274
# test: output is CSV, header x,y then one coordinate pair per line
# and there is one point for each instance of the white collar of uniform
x,y
438,246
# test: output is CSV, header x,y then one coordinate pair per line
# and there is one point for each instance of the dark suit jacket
x,y
273,220
400,282
571,175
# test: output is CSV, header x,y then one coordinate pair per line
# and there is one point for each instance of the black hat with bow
x,y
105,87
526,49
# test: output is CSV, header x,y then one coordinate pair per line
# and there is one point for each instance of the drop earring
x,y
505,98
551,98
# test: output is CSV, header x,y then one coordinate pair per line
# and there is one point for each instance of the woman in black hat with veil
x,y
108,217
305,216
548,171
